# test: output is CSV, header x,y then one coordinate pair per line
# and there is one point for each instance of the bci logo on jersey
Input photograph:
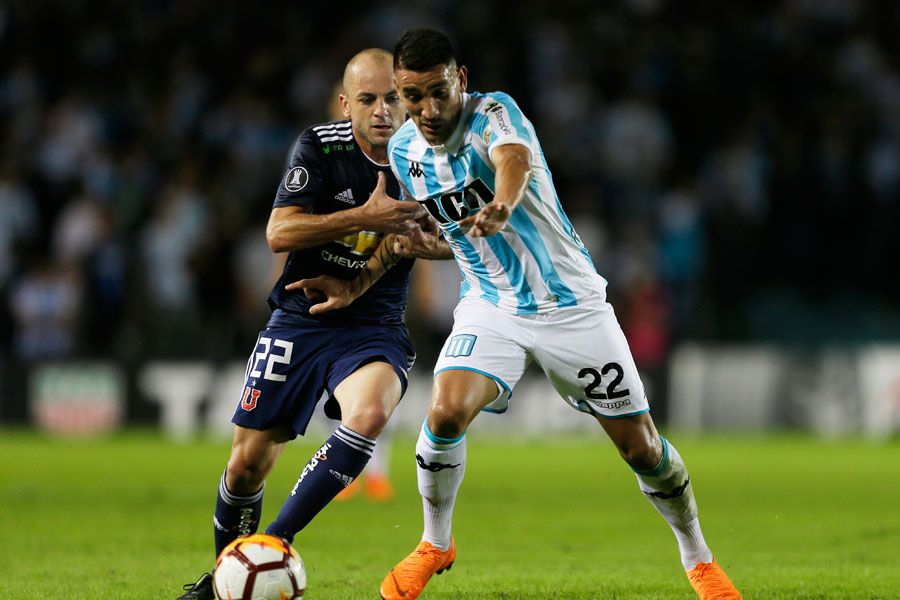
x,y
454,206
461,345
296,179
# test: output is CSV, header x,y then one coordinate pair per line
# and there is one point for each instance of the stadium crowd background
x,y
734,170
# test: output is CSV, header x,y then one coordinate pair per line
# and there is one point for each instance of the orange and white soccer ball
x,y
259,567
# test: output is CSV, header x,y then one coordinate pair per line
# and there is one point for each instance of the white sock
x,y
669,490
441,466
691,545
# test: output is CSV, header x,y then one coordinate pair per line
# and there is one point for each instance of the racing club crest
x,y
461,345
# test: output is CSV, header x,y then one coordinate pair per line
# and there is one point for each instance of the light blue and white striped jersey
x,y
536,263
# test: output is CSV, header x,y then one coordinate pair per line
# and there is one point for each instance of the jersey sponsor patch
x,y
296,179
461,345
499,119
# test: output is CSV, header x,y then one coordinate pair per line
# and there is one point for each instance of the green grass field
x,y
130,517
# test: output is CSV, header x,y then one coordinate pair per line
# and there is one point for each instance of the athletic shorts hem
x,y
480,372
504,396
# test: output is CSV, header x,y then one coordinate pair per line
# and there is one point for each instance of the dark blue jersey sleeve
x,y
304,179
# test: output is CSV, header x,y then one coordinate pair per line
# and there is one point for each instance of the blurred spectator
x,y
737,175
18,218
45,304
168,240
635,142
72,129
883,168
682,253
80,228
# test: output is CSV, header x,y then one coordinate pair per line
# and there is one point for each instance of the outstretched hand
x,y
386,214
488,221
335,293
423,241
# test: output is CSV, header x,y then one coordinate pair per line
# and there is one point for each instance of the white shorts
x,y
581,349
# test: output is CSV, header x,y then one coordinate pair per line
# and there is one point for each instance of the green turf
x,y
130,517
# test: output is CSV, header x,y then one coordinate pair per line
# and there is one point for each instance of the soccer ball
x,y
259,567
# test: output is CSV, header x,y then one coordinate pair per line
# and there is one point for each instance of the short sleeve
x,y
505,122
303,179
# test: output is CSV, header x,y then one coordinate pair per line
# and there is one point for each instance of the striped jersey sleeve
x,y
499,121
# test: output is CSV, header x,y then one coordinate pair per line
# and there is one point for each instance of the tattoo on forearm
x,y
365,279
388,257
383,259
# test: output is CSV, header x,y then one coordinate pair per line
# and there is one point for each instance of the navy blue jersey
x,y
328,172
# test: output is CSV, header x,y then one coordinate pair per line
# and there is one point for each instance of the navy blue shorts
x,y
291,369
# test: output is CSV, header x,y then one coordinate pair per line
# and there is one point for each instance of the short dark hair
x,y
423,48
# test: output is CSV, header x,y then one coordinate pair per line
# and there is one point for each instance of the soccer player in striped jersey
x,y
529,293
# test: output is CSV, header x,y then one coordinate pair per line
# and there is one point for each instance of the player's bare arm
x,y
513,162
337,293
295,227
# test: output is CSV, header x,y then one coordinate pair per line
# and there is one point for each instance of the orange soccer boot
x,y
407,580
379,488
350,491
711,583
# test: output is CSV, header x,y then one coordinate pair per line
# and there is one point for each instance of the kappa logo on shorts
x,y
461,345
251,396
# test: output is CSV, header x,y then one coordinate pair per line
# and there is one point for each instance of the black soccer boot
x,y
201,590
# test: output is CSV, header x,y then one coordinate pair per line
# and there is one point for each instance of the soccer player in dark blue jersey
x,y
356,357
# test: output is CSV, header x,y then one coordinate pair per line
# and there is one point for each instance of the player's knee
x,y
368,420
448,417
641,452
245,473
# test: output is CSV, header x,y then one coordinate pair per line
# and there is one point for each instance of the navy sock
x,y
235,515
332,468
